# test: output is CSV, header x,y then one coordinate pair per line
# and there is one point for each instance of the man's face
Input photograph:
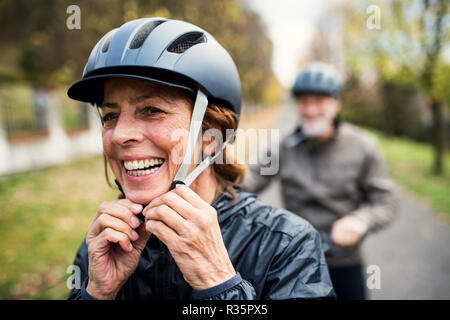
x,y
316,113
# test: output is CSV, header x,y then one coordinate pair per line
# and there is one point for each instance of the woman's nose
x,y
126,130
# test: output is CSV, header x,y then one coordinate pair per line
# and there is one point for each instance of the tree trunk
x,y
437,136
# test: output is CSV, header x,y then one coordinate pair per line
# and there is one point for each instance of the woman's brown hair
x,y
228,173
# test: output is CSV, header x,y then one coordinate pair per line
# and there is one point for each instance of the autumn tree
x,y
406,50
38,47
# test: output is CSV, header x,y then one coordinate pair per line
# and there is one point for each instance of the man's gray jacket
x,y
323,182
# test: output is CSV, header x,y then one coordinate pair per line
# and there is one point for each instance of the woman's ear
x,y
209,147
211,140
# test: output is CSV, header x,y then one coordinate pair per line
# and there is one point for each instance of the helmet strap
x,y
97,110
205,163
201,103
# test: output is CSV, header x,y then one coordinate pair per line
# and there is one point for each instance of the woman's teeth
x,y
142,167
138,173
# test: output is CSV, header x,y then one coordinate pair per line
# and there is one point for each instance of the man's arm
x,y
378,206
260,175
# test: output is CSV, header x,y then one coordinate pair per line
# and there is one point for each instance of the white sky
x,y
290,24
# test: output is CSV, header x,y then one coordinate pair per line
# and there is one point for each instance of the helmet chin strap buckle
x,y
175,183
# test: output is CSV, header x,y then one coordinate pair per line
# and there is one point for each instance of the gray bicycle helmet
x,y
168,52
318,77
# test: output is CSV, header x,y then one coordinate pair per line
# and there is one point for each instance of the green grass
x,y
44,215
410,165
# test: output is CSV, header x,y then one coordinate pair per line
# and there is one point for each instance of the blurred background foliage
x,y
40,50
398,76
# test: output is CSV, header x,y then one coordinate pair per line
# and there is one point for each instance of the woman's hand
x,y
114,247
188,226
348,231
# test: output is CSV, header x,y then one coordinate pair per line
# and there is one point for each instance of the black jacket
x,y
276,254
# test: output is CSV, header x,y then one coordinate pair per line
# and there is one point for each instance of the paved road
x,y
413,253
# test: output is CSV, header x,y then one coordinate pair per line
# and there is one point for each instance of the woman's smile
x,y
139,171
137,168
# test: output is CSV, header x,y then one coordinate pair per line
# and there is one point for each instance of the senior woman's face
x,y
140,120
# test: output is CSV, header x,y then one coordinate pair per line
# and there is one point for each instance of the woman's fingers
x,y
174,201
120,216
190,196
168,216
109,235
122,209
134,207
140,243
182,210
185,202
162,231
106,220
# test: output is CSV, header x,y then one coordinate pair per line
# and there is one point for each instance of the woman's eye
x,y
151,110
110,116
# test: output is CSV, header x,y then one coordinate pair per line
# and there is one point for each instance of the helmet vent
x,y
105,46
143,33
186,41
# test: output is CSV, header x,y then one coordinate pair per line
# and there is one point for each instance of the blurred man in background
x,y
333,175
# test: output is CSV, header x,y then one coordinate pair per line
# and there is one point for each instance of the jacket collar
x,y
226,206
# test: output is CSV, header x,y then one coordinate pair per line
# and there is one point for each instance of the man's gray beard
x,y
316,128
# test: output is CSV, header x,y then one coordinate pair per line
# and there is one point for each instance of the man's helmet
x,y
168,52
318,77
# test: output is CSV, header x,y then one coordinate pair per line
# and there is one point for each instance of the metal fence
x,y
24,111
36,134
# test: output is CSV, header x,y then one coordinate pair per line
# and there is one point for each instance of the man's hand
x,y
348,231
188,226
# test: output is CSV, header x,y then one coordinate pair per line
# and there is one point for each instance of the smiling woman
x,y
139,118
153,105
156,84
